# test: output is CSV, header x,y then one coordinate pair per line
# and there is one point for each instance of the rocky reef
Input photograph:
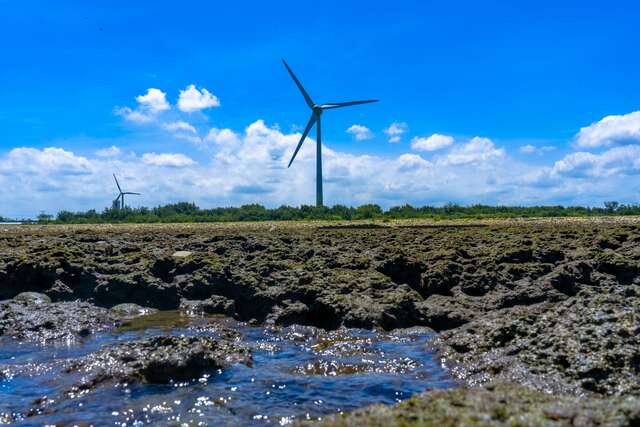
x,y
498,404
550,309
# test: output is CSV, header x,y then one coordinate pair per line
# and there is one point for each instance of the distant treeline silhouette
x,y
189,212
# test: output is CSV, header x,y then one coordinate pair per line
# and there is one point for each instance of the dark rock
x,y
496,405
567,347
158,360
215,304
130,310
52,322
34,298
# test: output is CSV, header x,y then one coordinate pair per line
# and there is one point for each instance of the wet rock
x,y
497,405
181,254
509,296
159,360
139,289
34,298
584,344
52,322
215,304
130,310
60,291
288,313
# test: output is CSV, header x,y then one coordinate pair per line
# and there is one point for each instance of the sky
x,y
525,103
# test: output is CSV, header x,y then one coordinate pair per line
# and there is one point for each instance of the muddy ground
x,y
525,309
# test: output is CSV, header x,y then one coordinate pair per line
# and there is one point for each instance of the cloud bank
x,y
234,167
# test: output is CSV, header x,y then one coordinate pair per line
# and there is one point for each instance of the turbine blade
x,y
330,105
118,184
307,98
137,194
312,120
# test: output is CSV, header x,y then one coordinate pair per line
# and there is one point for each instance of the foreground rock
x,y
496,405
158,360
589,343
551,305
29,321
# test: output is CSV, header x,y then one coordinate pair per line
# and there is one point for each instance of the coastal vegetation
x,y
185,212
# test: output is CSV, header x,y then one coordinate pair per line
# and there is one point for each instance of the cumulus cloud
x,y
41,162
192,99
395,131
222,136
532,149
615,161
528,148
175,160
133,115
153,101
408,162
112,151
615,129
478,149
179,126
250,166
149,105
431,143
360,133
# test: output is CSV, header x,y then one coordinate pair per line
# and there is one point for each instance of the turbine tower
x,y
121,195
316,113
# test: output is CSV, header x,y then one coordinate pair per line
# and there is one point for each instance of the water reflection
x,y
298,373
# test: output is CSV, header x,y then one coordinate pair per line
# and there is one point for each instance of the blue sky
x,y
498,103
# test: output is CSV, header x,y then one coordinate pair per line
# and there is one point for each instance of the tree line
x,y
190,212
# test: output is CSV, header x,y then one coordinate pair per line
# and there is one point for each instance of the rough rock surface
x,y
549,304
384,276
589,343
131,310
52,322
496,405
160,359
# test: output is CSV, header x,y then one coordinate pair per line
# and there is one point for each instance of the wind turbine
x,y
122,193
316,113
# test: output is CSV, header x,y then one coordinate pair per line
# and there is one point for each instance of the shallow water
x,y
297,373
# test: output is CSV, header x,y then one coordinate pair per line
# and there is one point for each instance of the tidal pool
x,y
297,373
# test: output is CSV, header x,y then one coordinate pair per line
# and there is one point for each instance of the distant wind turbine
x,y
121,195
316,112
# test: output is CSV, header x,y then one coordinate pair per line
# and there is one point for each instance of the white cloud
x,y
431,143
112,151
531,149
615,129
154,101
615,161
194,139
528,148
133,115
395,130
478,149
250,166
222,136
51,159
191,99
149,105
175,160
414,162
360,133
179,126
